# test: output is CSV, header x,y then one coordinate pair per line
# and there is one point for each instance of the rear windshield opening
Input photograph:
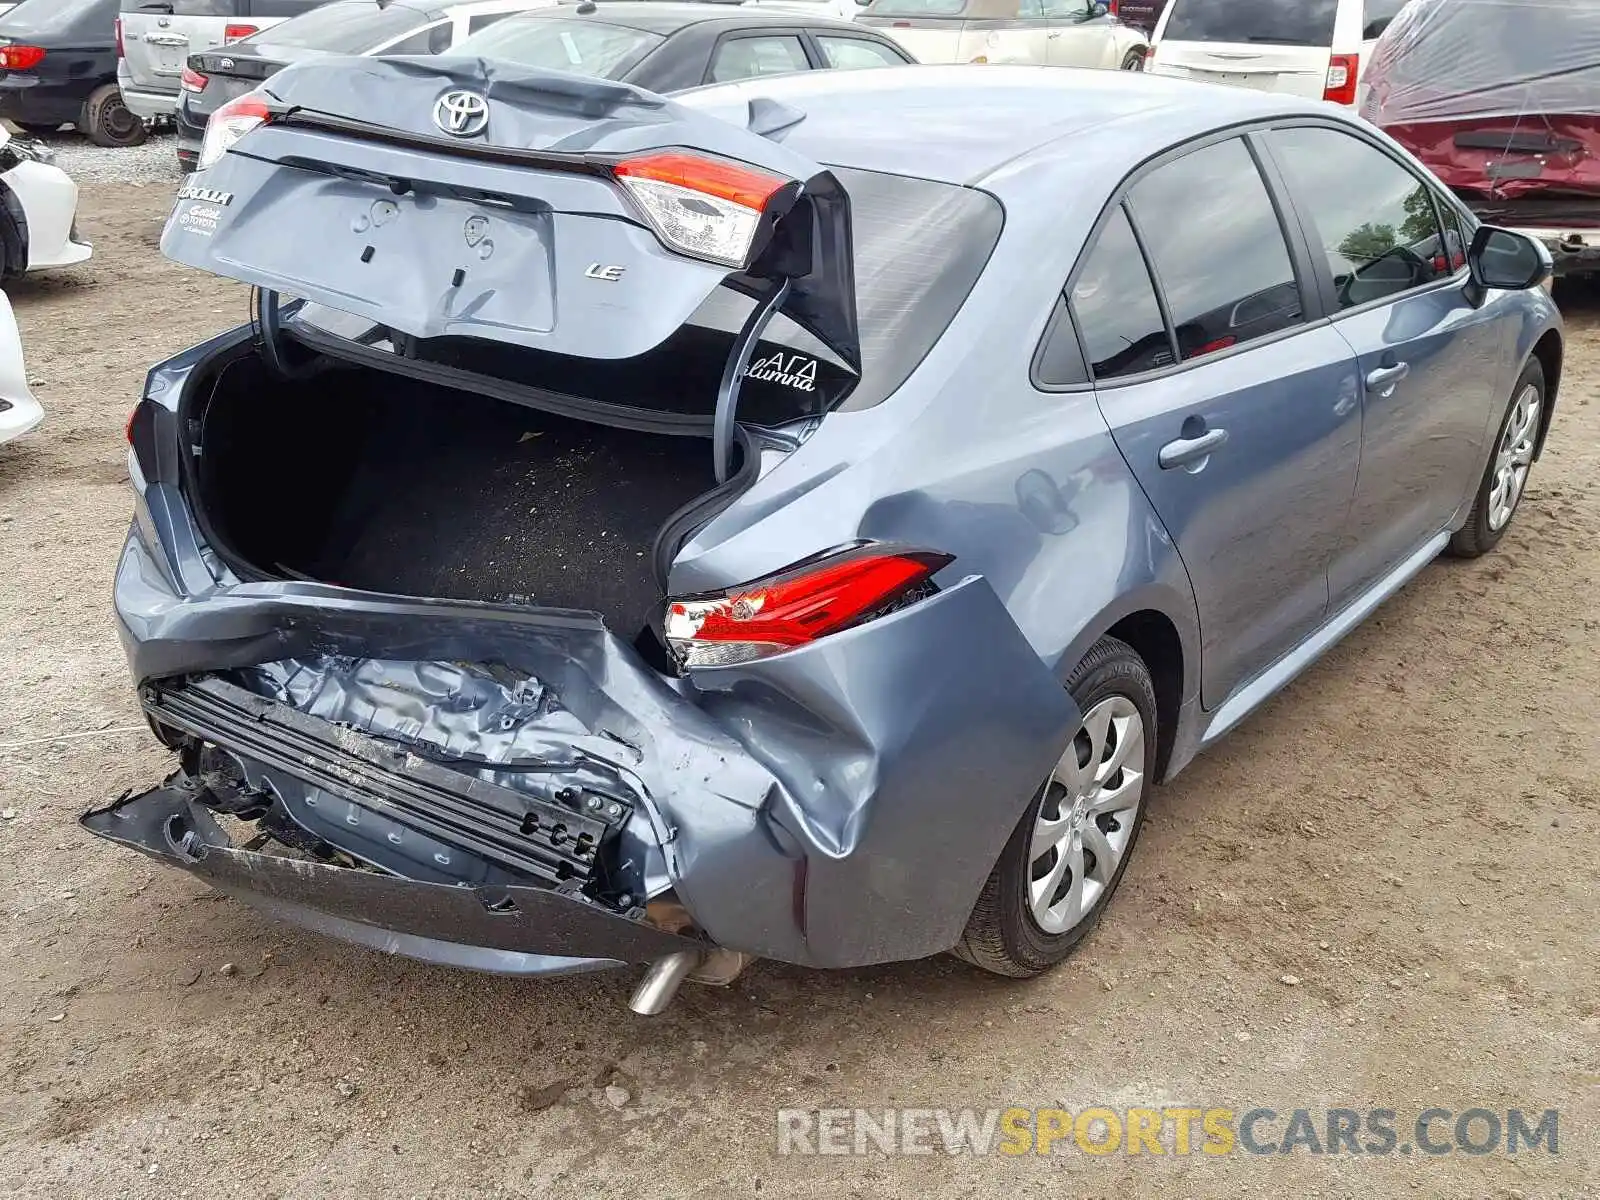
x,y
919,247
1275,22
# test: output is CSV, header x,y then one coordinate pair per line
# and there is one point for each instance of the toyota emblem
x,y
461,113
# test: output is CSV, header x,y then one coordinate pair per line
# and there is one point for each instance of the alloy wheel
x,y
1089,812
1514,458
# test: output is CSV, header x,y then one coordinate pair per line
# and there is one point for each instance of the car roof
x,y
657,16
961,124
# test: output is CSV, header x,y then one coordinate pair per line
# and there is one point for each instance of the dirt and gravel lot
x,y
1412,832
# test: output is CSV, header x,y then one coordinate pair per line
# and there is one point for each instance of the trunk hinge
x,y
733,377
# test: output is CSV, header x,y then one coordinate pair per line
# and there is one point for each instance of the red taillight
x,y
17,57
797,606
234,33
1342,72
1112,5
230,123
118,27
728,181
192,81
710,208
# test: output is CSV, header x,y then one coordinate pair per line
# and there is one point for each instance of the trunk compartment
x,y
386,484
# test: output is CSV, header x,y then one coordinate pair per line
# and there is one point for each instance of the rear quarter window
x,y
1274,22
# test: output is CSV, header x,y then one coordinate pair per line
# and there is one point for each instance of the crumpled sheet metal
x,y
1453,60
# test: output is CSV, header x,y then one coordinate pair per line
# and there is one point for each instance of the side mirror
x,y
1510,261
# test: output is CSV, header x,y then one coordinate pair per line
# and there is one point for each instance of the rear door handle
x,y
1383,379
1190,450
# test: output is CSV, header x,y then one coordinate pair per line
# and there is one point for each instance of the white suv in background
x,y
1314,48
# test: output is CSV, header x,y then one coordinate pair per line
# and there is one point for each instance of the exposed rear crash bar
x,y
505,929
520,831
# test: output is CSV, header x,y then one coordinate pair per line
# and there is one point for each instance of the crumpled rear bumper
x,y
503,929
837,805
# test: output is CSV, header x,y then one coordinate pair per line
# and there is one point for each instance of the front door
x,y
1396,279
1240,420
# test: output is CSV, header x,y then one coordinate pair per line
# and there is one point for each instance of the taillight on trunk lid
x,y
704,207
192,81
1343,70
230,123
799,605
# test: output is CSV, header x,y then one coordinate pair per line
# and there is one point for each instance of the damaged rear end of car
x,y
400,591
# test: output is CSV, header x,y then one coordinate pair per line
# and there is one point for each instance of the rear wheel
x,y
1067,854
107,121
1505,479
1134,61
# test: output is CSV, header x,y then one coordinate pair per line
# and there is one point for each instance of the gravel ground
x,y
155,161
1380,892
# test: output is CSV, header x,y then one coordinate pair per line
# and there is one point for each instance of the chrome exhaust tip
x,y
661,981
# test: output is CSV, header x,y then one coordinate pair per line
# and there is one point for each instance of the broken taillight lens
x,y
704,207
230,123
799,605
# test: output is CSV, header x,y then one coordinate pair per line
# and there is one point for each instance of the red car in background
x,y
1501,99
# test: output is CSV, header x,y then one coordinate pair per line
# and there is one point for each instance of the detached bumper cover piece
x,y
499,928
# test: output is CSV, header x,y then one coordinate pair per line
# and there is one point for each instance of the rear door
x,y
1395,284
1236,411
1270,45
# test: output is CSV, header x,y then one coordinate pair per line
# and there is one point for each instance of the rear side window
x,y
433,40
1274,22
1218,249
748,57
1116,307
850,54
1375,221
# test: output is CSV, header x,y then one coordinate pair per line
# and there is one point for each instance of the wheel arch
x,y
13,233
1549,351
1163,628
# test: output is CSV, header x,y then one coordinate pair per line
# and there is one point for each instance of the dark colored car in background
x,y
1502,101
58,66
212,78
664,47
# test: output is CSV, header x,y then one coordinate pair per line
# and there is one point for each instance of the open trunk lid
x,y
355,195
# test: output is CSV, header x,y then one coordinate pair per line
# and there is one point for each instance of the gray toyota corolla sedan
x,y
799,520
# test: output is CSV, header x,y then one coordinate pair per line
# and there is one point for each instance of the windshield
x,y
561,44
1277,22
347,27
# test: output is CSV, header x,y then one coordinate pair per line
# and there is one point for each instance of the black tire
x,y
1002,936
1477,537
107,121
37,128
13,237
1134,61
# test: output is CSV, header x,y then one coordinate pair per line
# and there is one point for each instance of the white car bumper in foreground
x,y
49,201
19,411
